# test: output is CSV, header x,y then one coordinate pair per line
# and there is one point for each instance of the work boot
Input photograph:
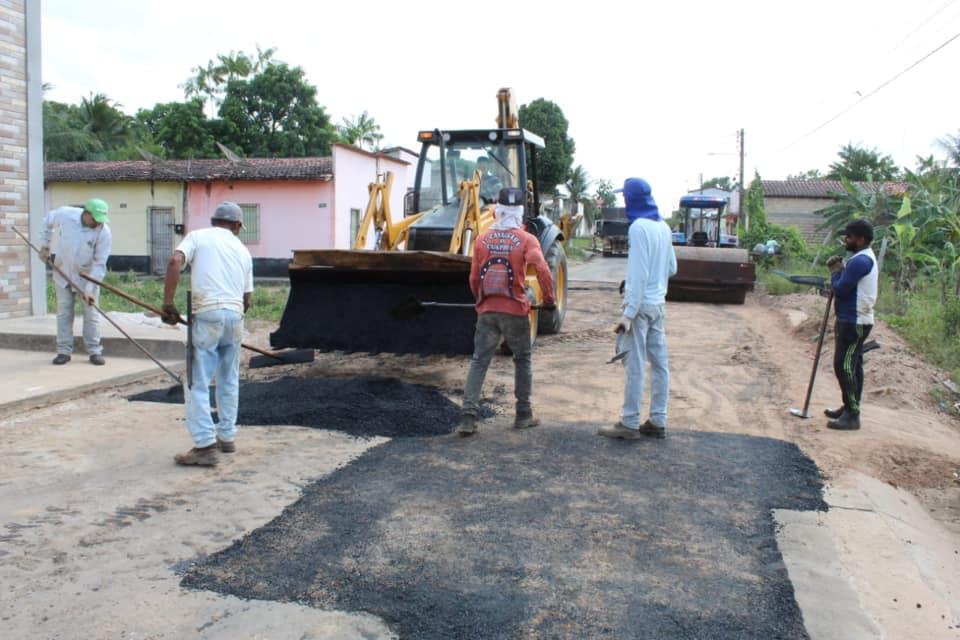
x,y
62,358
201,457
619,431
525,421
846,422
833,414
652,431
227,446
97,359
468,425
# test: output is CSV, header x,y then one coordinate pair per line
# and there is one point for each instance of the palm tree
x,y
102,117
578,184
951,145
361,131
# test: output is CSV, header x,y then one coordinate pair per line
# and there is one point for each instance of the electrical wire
x,y
870,94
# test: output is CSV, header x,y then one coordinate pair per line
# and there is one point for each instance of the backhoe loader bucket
x,y
706,274
354,301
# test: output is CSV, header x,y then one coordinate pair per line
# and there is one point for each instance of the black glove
x,y
548,306
170,314
623,286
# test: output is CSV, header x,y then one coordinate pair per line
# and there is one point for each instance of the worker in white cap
x,y
221,283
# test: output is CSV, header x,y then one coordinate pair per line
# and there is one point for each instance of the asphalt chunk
x,y
551,533
361,406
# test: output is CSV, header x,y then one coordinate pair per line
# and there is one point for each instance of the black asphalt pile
x,y
553,533
362,406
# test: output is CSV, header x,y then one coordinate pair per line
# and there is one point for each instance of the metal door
x,y
161,238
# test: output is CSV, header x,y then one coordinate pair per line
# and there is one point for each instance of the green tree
x,y
102,118
64,137
605,194
209,83
809,174
362,131
179,129
860,164
950,144
275,114
546,119
723,182
578,184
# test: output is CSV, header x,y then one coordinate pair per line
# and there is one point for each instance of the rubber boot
x,y
467,426
847,422
525,421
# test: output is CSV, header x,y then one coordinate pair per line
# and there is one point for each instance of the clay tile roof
x,y
821,188
190,170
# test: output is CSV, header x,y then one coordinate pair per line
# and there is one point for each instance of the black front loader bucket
x,y
359,301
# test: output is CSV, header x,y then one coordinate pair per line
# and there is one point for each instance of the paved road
x,y
554,533
599,269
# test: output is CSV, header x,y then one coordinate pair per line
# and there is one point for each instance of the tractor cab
x,y
702,223
447,158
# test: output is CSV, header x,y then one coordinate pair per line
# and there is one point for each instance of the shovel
x,y
411,307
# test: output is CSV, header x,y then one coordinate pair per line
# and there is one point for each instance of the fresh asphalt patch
x,y
548,533
360,406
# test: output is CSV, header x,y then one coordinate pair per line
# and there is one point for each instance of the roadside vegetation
x,y
917,223
267,303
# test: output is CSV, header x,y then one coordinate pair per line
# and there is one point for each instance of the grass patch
x,y
578,249
267,302
929,326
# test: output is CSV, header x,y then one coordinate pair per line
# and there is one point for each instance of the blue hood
x,y
639,200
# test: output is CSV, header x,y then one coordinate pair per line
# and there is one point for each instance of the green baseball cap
x,y
98,209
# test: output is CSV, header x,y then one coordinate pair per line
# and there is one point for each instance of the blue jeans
x,y
216,351
66,305
646,340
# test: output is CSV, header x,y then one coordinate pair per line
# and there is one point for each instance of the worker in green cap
x,y
83,248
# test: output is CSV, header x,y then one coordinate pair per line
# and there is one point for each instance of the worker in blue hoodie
x,y
651,261
855,292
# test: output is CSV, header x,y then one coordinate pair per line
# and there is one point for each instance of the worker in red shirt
x,y
500,260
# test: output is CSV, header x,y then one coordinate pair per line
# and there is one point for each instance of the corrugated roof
x,y
821,188
312,168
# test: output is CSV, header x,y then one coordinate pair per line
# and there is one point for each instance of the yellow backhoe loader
x,y
360,300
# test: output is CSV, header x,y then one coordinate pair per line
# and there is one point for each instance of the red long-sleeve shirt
x,y
499,268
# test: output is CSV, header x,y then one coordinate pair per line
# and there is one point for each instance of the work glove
x,y
835,264
623,325
171,315
548,306
623,286
45,254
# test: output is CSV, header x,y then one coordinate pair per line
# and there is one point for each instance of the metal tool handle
x,y
189,339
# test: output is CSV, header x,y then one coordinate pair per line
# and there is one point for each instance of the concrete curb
x,y
112,346
65,395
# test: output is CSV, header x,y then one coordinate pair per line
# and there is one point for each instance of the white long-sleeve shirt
x,y
80,249
651,262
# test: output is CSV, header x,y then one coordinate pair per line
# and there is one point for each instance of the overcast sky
x,y
653,89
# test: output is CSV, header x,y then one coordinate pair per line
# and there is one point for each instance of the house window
x,y
354,224
250,234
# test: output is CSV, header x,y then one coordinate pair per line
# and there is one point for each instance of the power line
x,y
924,23
869,94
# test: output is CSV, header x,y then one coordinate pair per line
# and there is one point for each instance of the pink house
x,y
288,203
295,203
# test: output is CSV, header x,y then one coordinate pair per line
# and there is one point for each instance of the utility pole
x,y
743,208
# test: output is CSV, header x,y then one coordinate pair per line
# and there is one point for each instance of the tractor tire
x,y
550,322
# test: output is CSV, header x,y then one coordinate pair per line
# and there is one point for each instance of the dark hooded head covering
x,y
639,199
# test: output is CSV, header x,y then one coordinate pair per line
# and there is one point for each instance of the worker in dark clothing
x,y
854,284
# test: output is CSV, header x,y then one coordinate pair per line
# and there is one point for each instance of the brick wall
x,y
14,257
798,212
